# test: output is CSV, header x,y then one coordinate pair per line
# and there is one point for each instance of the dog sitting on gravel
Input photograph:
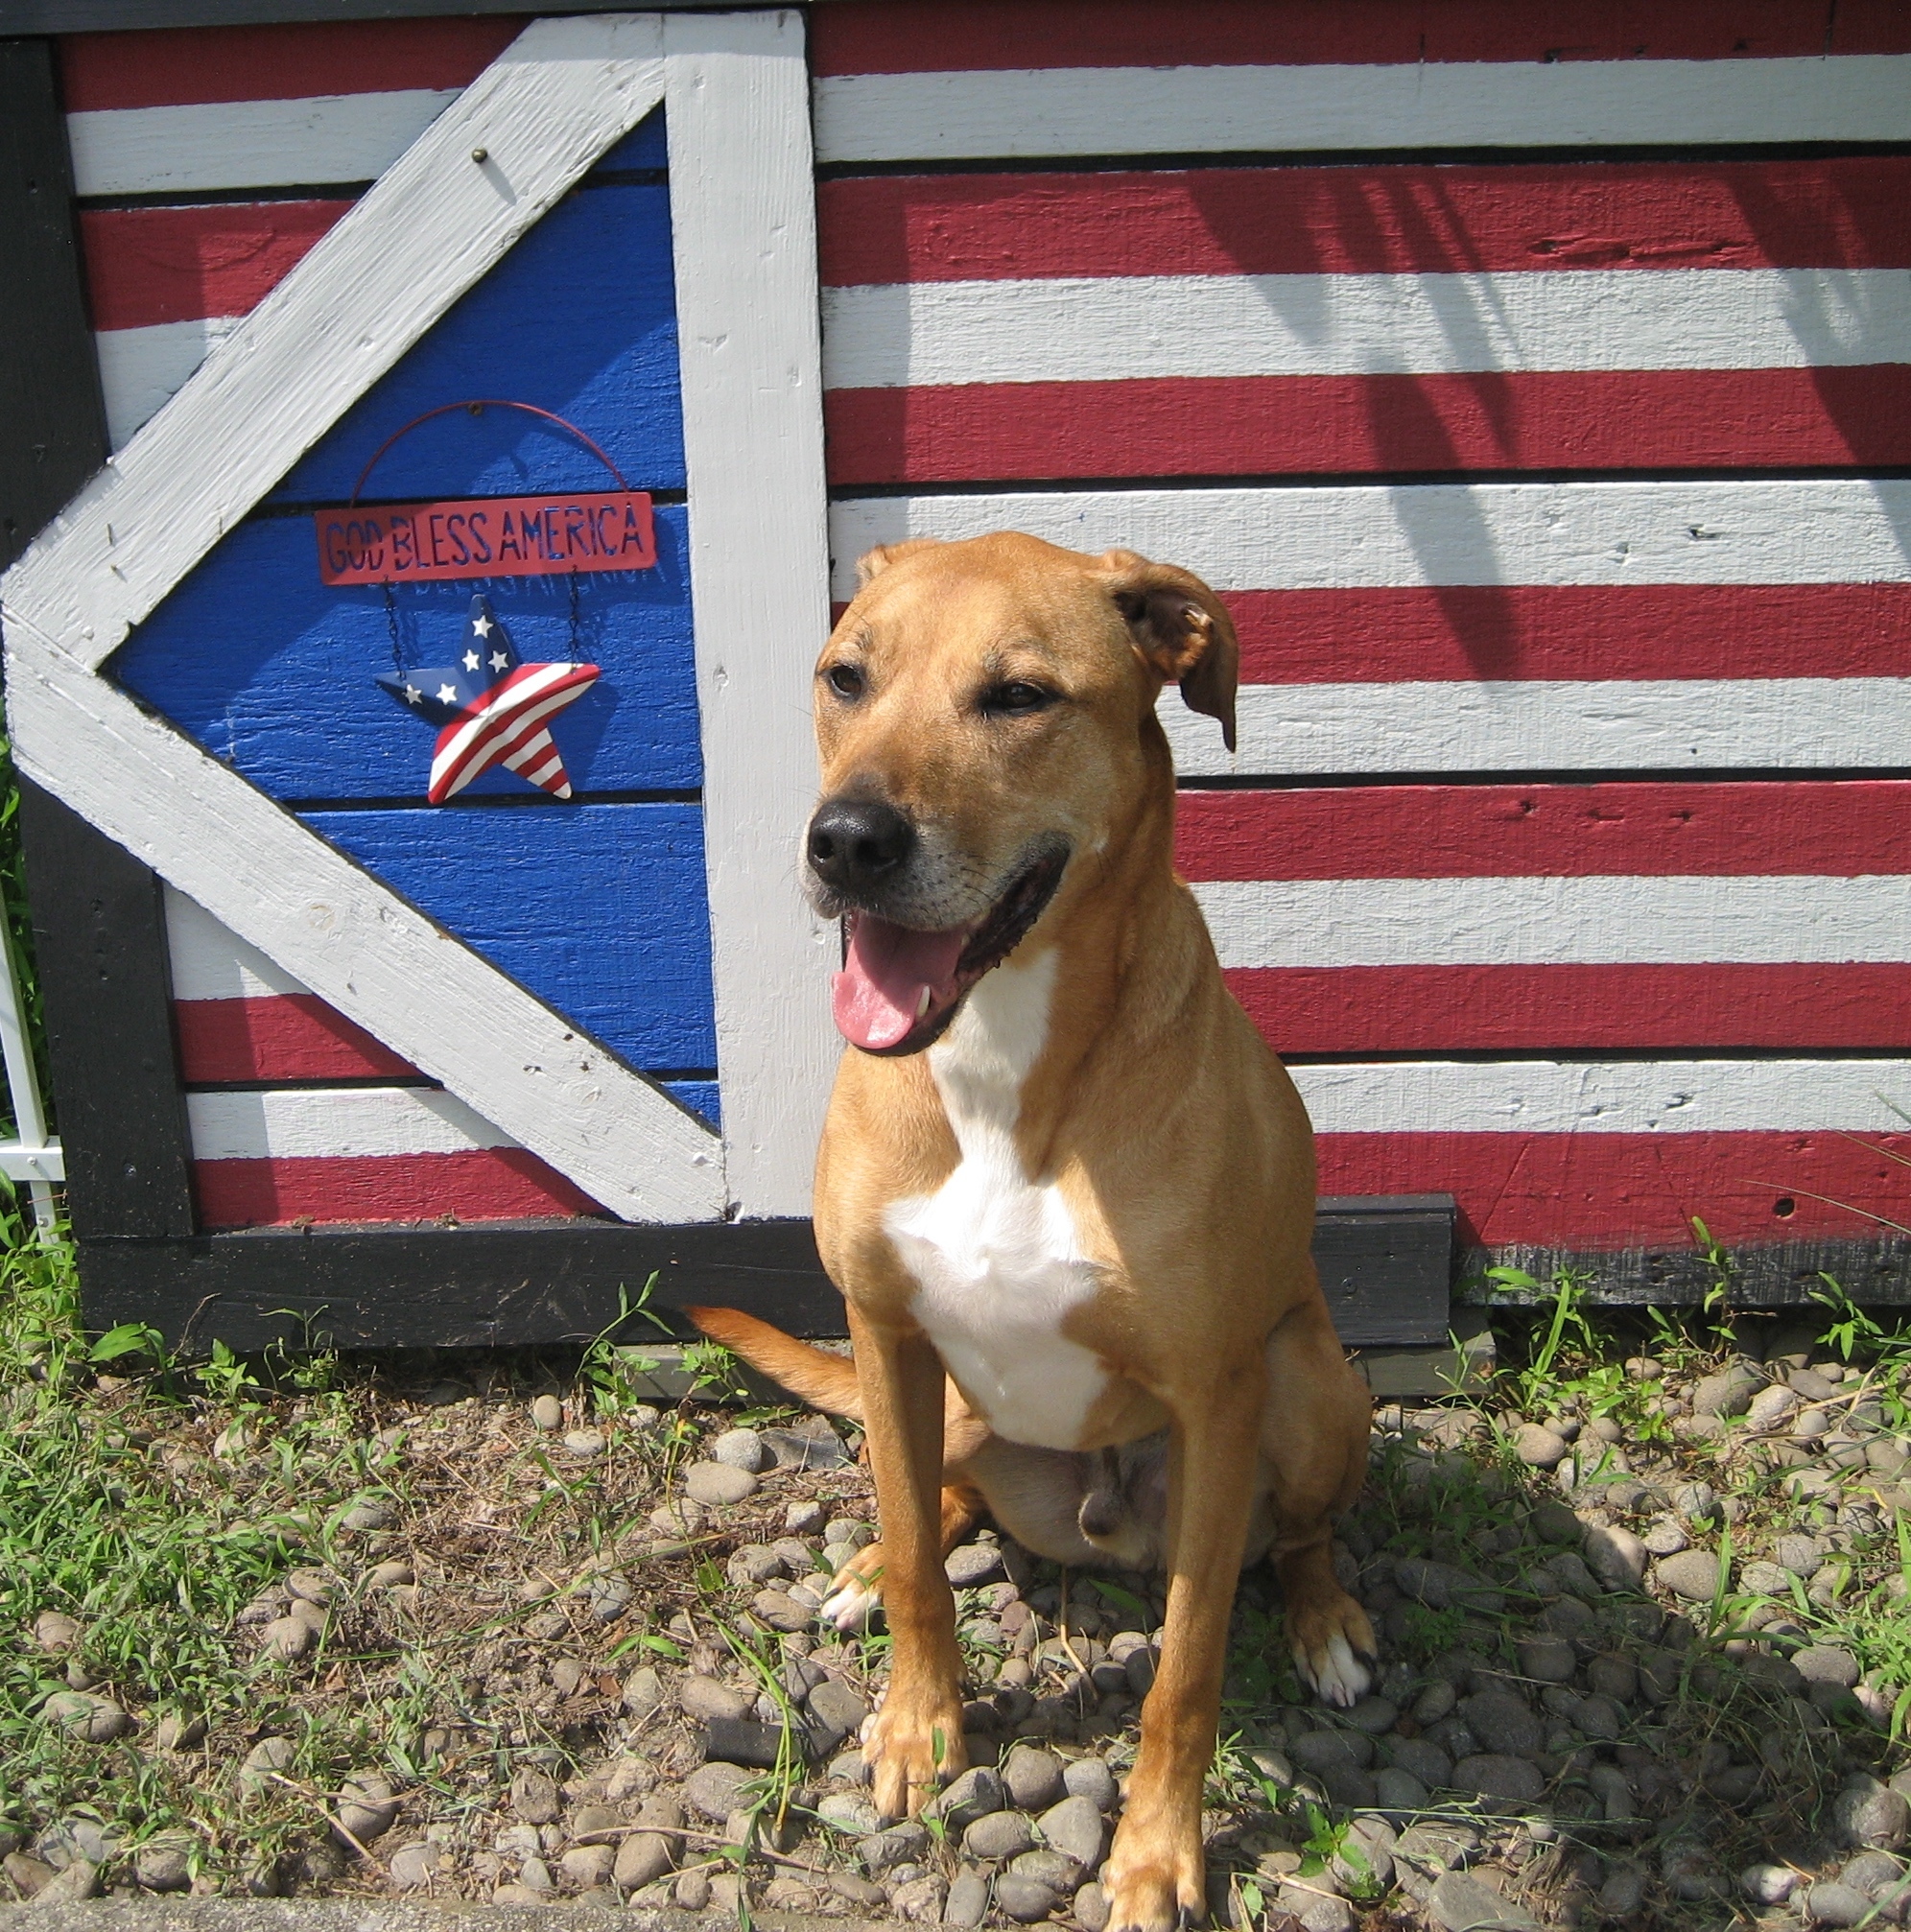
x,y
1061,1171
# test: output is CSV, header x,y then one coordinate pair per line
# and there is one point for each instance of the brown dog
x,y
1060,1163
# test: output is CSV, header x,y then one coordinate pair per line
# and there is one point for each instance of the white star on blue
x,y
438,693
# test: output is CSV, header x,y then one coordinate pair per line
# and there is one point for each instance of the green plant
x,y
1716,1302
1567,1322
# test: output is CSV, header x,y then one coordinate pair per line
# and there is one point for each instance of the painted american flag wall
x,y
1530,381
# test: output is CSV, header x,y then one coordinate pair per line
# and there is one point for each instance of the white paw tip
x,y
848,1608
1339,1677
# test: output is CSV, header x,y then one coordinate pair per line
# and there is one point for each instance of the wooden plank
x,y
1386,1268
236,654
101,946
1875,1271
50,411
109,16
1044,112
479,1184
743,208
1462,1363
594,910
542,1283
542,114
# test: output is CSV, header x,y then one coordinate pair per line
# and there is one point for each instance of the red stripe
x,y
905,36
282,1037
1849,213
175,67
1621,1191
177,265
1661,419
488,1184
1415,633
1838,830
1355,1011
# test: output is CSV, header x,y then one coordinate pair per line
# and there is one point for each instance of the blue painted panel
x,y
273,671
644,146
598,909
699,1096
579,318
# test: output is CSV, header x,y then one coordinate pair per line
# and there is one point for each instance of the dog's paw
x,y
913,1746
855,1593
1154,1880
1334,1650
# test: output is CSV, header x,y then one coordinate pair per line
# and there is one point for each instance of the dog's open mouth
x,y
899,988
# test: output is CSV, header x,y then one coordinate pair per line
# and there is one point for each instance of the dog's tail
x,y
825,1381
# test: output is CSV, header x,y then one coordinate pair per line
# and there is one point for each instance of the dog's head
x,y
985,718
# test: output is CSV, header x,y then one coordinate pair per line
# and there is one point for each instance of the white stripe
x,y
1648,724
1139,110
247,144
211,962
524,709
532,747
1358,535
1121,328
142,369
1551,921
1677,1096
335,1123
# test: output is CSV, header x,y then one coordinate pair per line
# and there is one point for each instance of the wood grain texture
x,y
279,1036
1767,1274
499,1184
1624,1008
273,671
1834,212
594,910
1382,536
1652,828
746,276
1662,420
1010,114
563,92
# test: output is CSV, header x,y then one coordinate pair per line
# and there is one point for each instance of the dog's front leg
x,y
916,1739
1155,1873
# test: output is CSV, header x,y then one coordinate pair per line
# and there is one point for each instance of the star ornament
x,y
490,709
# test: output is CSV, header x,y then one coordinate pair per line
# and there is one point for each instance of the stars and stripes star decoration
x,y
491,709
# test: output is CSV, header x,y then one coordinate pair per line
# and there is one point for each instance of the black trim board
x,y
1874,1273
531,1283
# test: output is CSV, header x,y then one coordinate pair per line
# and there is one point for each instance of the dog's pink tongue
x,y
879,993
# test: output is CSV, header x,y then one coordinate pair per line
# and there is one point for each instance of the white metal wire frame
x,y
29,1156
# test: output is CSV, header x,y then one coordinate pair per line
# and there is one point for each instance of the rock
x,y
1802,1555
369,1513
1616,1556
1622,1893
366,1809
586,1866
1365,1856
714,1790
973,1564
1503,1724
1090,1778
1696,1503
1032,1778
643,1690
1665,1538
920,1901
1812,1386
803,1518
164,1863
547,1413
1374,1714
534,1796
1537,1447
1513,1780
1768,1884
1764,1579
857,1890
819,1447
1419,1757
1075,1828
716,1484
1025,1900
835,1712
1442,1585
1458,1903
1729,1393
178,1731
1546,1658
1400,1791
1091,1908
1771,1407
849,1812
79,1880
81,1715
1552,1522
974,1794
1826,1664
269,1755
1866,1813
781,1611
740,1449
703,1698
1055,1869
967,1904
744,1740
1600,1717
1315,1909
1872,1872
691,1891
56,1632
645,1856
904,1844
1829,1902
1693,1574
1434,1703
999,1835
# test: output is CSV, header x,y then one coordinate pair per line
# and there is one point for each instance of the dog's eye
x,y
1017,698
845,680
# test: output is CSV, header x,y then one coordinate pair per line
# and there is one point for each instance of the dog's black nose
x,y
857,843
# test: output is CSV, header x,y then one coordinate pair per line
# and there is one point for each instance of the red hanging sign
x,y
486,536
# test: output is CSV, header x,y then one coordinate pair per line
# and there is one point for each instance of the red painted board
x,y
1221,426
1621,1191
174,67
1843,212
487,537
1653,829
490,1184
1360,1011
176,264
279,1038
905,36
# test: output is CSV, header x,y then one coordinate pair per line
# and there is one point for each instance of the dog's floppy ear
x,y
1182,630
873,563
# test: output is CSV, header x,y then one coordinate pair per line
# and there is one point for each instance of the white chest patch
x,y
995,1255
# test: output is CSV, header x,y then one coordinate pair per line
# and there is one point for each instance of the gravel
x,y
717,1485
1693,1575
